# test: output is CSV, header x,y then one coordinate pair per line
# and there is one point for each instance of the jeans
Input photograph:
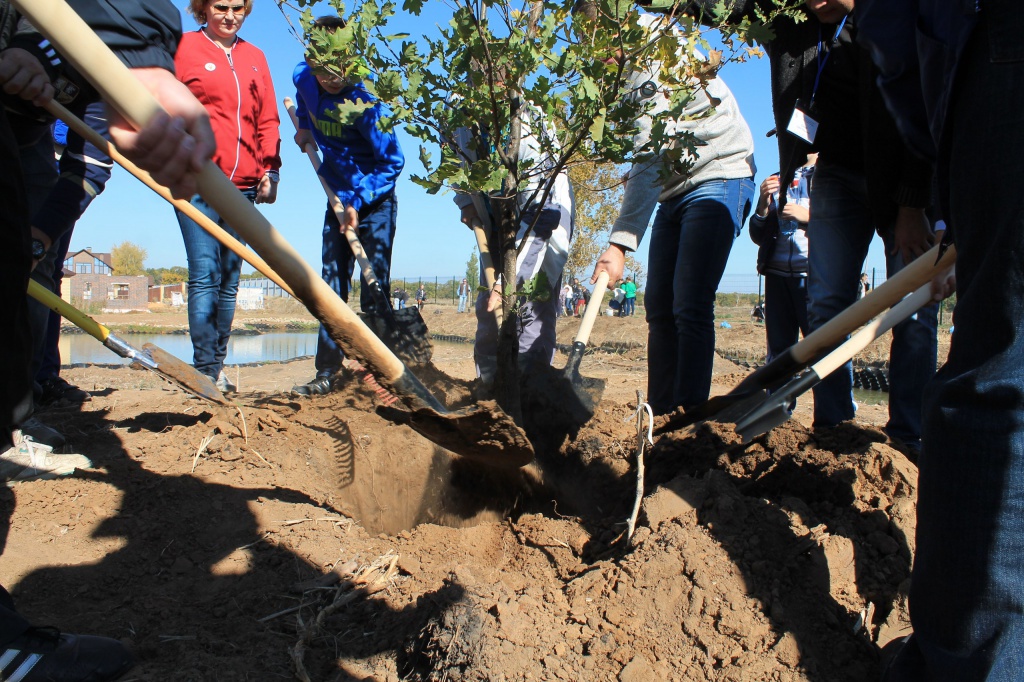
x,y
839,234
462,303
786,312
628,306
967,588
377,234
213,271
690,244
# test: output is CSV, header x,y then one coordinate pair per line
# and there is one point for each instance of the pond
x,y
276,347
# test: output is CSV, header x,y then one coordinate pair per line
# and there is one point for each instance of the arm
x,y
387,155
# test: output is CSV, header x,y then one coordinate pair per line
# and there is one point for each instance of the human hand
x,y
176,143
349,219
612,261
304,138
912,234
795,212
22,75
943,284
266,193
494,300
769,187
469,214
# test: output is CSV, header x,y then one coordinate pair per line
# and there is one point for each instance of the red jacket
x,y
239,96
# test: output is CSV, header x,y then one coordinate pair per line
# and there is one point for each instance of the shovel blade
x,y
404,332
184,375
482,432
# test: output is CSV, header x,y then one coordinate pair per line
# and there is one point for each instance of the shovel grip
x,y
68,311
590,314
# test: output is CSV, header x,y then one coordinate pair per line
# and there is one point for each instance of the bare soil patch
x,y
321,539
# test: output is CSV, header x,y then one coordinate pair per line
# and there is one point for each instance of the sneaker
x,y
57,390
44,654
27,460
224,384
318,386
41,433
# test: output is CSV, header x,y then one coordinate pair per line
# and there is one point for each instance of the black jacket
x,y
895,176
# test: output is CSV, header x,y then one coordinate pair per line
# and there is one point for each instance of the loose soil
x,y
315,539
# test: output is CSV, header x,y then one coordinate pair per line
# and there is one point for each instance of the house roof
x,y
105,257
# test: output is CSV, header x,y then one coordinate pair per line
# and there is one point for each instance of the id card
x,y
803,126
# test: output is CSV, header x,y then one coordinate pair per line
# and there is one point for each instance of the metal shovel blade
x,y
184,375
482,432
588,390
404,332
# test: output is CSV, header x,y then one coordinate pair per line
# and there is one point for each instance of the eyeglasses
x,y
237,10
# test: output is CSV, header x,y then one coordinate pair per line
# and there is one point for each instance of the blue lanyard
x,y
823,60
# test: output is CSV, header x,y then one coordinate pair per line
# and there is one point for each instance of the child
x,y
360,164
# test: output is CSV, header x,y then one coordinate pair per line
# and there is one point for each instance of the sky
x,y
430,241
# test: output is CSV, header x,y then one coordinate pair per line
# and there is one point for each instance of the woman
x,y
232,80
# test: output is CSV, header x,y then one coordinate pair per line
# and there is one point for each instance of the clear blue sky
x,y
430,241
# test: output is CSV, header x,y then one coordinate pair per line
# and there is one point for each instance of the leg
x,y
782,326
967,593
377,234
230,269
337,272
204,282
838,235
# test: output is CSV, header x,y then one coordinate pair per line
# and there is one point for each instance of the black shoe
x,y
57,390
318,386
46,655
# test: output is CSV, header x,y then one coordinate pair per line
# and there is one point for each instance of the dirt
x,y
315,539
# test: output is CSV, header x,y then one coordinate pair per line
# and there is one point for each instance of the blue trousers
x,y
785,312
967,587
213,271
377,235
690,243
839,234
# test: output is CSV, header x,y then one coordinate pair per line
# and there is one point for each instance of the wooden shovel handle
x,y
68,311
486,262
590,314
83,48
200,218
889,293
335,202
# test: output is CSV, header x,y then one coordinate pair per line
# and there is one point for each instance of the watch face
x,y
38,249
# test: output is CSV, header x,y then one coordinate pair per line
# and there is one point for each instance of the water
x,y
866,397
82,348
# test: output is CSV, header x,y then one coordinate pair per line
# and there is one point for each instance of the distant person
x,y
865,286
757,314
361,164
629,296
403,297
565,300
782,257
231,78
421,297
582,298
615,304
463,294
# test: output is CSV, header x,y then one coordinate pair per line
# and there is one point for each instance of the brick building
x,y
89,278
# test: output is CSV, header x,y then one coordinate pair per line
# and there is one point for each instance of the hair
x,y
586,8
330,22
197,8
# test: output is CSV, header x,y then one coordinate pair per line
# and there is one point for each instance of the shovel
x,y
151,357
763,412
404,331
587,390
481,432
488,265
801,355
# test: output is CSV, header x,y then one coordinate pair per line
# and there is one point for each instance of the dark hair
x,y
331,22
587,8
197,8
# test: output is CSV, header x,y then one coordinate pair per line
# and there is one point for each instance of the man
x,y
174,148
951,73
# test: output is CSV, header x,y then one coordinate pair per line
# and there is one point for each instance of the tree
x,y
493,64
598,190
128,259
472,271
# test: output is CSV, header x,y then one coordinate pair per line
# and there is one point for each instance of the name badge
x,y
803,126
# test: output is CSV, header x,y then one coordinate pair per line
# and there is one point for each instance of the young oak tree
x,y
495,66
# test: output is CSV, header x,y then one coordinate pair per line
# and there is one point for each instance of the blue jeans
x,y
377,235
967,588
785,304
213,271
690,244
462,303
838,235
628,306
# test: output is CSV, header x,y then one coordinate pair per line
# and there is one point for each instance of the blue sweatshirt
x,y
360,162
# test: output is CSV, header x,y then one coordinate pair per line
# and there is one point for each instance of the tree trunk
x,y
506,381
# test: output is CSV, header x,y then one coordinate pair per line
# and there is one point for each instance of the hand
x,y
795,212
349,219
769,187
176,143
612,261
494,300
912,234
266,193
943,284
304,138
22,75
469,214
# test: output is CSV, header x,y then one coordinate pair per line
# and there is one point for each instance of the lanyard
x,y
823,60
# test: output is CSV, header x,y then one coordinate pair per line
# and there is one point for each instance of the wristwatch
x,y
38,249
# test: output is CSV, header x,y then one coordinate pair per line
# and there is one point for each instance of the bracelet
x,y
274,175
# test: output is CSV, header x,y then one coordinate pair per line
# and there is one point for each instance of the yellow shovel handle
x,y
65,309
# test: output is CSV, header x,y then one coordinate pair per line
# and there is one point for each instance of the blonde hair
x,y
197,8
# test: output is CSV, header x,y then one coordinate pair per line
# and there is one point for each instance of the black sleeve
x,y
143,33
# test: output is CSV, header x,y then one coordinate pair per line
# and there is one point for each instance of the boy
x,y
361,165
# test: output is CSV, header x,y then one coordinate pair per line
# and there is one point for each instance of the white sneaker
x,y
41,433
224,384
29,461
